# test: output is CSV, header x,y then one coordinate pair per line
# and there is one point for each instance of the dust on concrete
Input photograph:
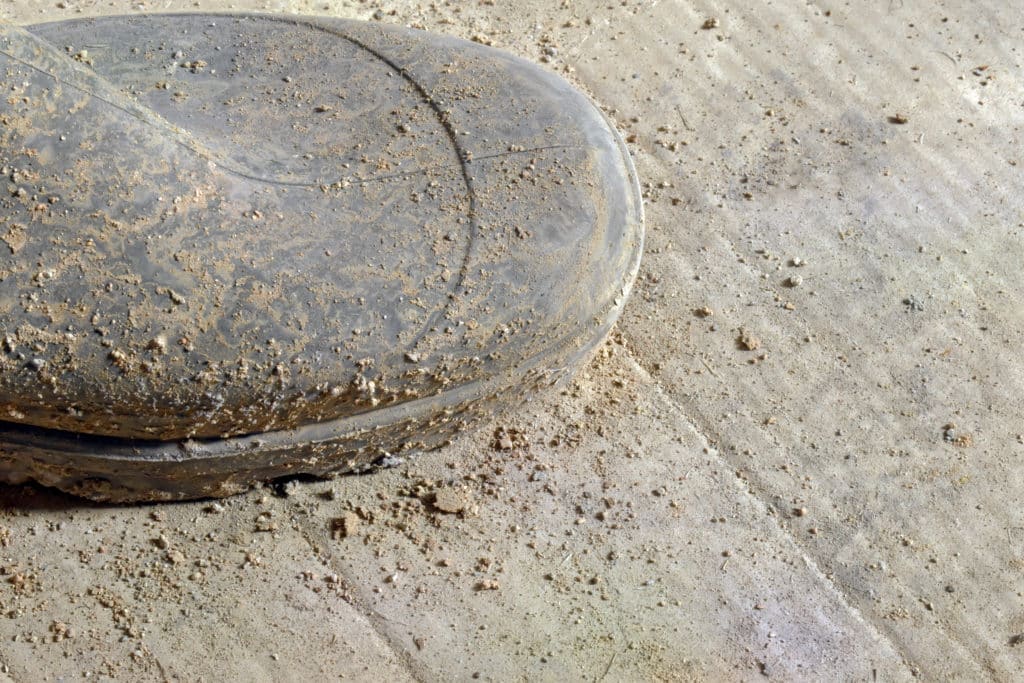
x,y
863,540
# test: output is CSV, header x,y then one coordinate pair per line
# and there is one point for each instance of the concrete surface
x,y
840,502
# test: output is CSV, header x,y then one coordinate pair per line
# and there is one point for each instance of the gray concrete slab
x,y
838,187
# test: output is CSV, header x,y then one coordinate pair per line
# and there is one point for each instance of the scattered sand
x,y
690,507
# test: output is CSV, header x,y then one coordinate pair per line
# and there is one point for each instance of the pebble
x,y
346,526
451,500
748,341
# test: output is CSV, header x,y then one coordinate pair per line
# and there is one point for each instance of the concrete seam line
x,y
843,599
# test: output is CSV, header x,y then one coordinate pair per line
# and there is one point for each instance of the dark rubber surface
x,y
237,247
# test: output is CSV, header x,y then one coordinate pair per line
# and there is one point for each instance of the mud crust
x,y
124,471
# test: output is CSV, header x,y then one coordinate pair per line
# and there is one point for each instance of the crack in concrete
x,y
706,431
375,619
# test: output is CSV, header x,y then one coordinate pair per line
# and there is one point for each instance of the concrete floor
x,y
840,181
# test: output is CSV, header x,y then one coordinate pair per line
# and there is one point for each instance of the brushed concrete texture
x,y
798,457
